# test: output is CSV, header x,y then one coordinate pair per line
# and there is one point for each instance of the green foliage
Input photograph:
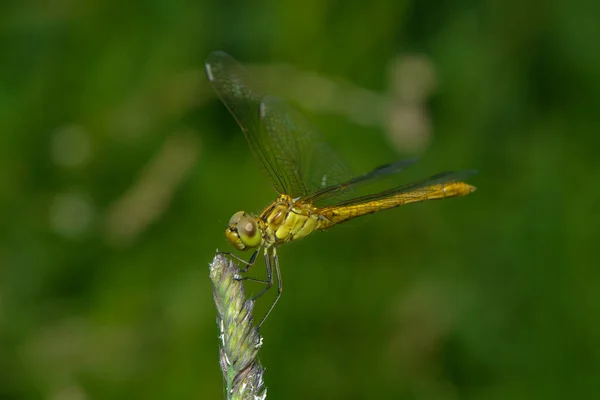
x,y
119,171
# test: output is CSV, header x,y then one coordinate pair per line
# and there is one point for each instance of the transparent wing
x,y
307,163
445,185
290,150
413,190
333,192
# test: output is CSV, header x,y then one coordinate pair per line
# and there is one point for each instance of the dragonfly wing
x,y
307,162
334,192
419,189
242,97
284,142
441,186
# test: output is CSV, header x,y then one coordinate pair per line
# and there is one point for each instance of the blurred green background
x,y
119,170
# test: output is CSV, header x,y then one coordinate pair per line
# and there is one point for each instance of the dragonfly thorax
x,y
286,220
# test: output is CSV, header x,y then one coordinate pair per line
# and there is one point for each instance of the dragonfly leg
x,y
271,260
279,285
250,262
247,264
269,281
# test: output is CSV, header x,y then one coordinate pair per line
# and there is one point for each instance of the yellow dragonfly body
x,y
313,183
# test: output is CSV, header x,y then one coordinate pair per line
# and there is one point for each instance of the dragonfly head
x,y
243,231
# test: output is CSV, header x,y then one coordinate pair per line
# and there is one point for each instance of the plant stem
x,y
239,338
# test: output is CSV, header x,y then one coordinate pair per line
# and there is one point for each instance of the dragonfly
x,y
314,185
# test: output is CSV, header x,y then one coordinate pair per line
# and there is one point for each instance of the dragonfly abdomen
x,y
337,214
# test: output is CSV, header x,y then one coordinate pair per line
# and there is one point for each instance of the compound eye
x,y
248,230
236,217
